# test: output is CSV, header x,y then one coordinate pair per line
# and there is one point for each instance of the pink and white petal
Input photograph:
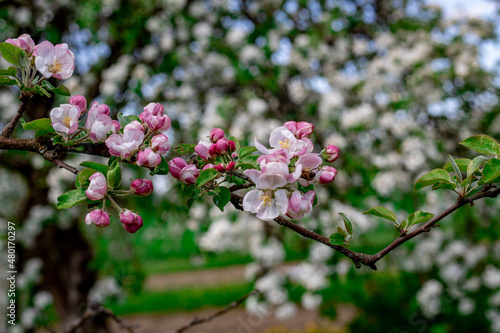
x,y
252,201
296,174
253,174
269,212
281,200
261,148
270,181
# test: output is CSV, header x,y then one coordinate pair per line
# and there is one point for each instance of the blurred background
x,y
394,84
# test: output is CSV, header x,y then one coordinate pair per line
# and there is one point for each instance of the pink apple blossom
x,y
309,164
124,146
101,127
54,61
96,109
278,163
99,217
80,102
24,42
186,173
134,125
304,129
331,153
268,200
282,138
98,187
142,187
148,158
65,119
153,117
203,150
328,174
117,126
216,134
131,221
160,144
300,204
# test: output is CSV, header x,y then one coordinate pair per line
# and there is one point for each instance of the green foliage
x,y
383,213
96,166
337,239
11,71
71,198
185,148
11,53
483,144
417,217
83,177
161,169
61,90
247,150
206,176
114,175
433,177
491,171
222,196
42,126
125,120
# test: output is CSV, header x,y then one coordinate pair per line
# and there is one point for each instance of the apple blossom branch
x,y
9,128
197,321
488,191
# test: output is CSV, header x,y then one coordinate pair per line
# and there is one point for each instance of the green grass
x,y
182,299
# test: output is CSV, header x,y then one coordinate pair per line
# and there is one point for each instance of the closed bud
x,y
328,174
221,146
216,134
142,187
220,167
203,150
99,217
304,130
160,144
331,153
131,221
80,102
231,146
148,158
97,188
230,166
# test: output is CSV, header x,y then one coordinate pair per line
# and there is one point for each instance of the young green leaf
x,y
447,186
12,71
161,169
70,198
432,177
491,171
382,212
475,164
11,53
206,176
418,217
244,151
222,197
83,176
337,239
38,124
185,148
342,232
457,171
347,223
114,176
7,81
483,144
96,166
125,120
462,164
61,90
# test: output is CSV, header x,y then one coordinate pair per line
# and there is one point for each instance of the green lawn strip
x,y
182,299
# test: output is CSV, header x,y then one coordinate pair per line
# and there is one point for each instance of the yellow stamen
x,y
285,144
67,121
56,68
266,198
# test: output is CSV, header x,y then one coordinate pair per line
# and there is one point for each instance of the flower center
x,y
56,67
266,198
285,144
67,121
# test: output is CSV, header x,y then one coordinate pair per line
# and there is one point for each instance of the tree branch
x,y
197,321
9,128
489,191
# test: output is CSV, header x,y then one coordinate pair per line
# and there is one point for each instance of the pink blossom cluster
x,y
143,138
288,163
98,190
50,60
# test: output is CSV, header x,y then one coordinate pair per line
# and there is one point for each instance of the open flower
x,y
54,61
101,127
300,204
98,187
65,119
124,146
99,217
153,117
309,164
24,42
268,200
282,138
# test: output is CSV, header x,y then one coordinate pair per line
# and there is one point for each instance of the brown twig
x,y
369,260
197,321
98,310
9,128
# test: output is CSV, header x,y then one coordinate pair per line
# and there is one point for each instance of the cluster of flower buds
x,y
50,60
287,164
99,190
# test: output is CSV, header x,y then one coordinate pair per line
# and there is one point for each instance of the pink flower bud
x,y
213,151
291,126
99,217
24,42
230,166
328,174
331,153
97,188
153,117
304,130
101,127
221,146
124,146
216,134
203,150
300,204
135,126
208,166
142,187
80,102
148,158
131,221
220,167
117,126
231,146
175,167
160,144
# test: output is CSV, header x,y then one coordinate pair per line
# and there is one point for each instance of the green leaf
x,y
245,166
7,81
11,53
39,124
161,169
337,239
61,90
383,213
432,177
125,120
244,151
41,91
83,176
457,171
114,175
112,160
249,159
475,164
70,198
418,217
206,176
185,148
47,85
448,186
222,197
462,164
491,171
342,232
96,166
12,71
483,144
347,223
